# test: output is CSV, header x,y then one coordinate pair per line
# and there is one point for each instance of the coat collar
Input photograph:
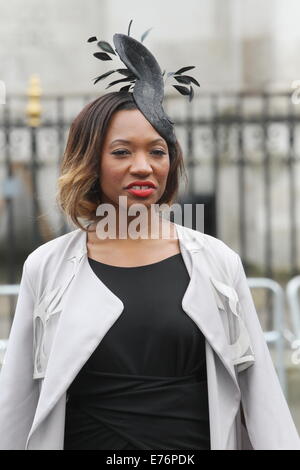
x,y
91,309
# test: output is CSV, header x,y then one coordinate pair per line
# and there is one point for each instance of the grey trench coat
x,y
64,310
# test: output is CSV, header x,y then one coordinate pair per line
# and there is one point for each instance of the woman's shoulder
x,y
219,255
53,251
197,239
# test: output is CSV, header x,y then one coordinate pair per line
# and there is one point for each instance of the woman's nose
x,y
140,164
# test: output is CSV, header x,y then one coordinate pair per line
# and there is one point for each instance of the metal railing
x,y
292,293
7,290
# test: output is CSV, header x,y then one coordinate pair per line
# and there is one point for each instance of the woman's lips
x,y
141,192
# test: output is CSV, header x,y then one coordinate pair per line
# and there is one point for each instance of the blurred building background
x,y
240,134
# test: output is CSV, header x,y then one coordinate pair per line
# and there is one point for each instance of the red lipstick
x,y
141,188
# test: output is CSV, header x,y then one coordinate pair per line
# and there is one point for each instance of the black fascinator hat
x,y
146,80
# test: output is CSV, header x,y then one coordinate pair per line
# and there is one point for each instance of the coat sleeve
x,y
18,390
268,419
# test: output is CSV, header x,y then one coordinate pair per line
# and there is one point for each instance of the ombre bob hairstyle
x,y
79,183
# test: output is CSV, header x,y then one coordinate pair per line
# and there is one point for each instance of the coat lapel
x,y
91,310
206,313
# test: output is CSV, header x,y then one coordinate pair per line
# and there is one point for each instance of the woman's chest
x,y
128,255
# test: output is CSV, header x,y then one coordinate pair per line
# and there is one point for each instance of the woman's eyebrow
x,y
124,141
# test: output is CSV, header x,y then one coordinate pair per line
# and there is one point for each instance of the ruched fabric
x,y
145,385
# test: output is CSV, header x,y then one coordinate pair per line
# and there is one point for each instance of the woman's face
x,y
132,151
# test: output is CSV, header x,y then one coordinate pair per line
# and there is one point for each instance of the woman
x,y
135,343
142,365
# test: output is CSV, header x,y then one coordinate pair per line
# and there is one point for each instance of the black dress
x,y
144,387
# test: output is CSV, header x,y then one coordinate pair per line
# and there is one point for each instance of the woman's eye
x,y
159,152
119,152
123,152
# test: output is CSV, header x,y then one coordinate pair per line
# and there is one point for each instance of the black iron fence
x,y
234,144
